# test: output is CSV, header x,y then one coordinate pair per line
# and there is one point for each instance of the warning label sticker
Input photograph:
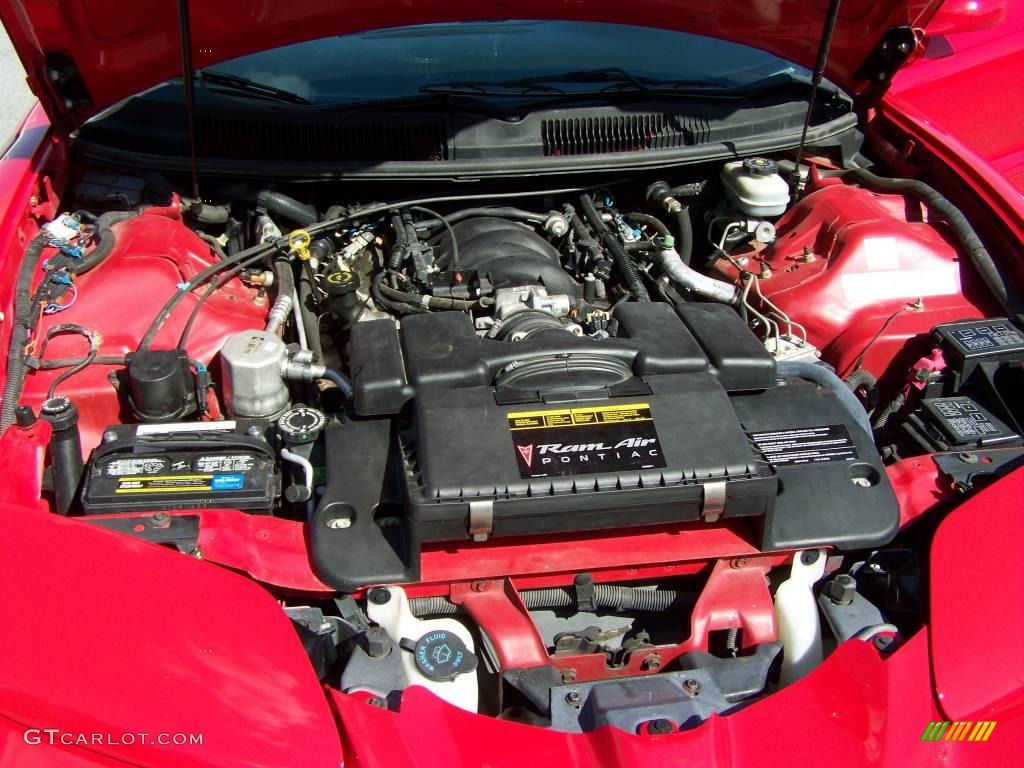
x,y
590,440
809,445
179,483
224,463
141,465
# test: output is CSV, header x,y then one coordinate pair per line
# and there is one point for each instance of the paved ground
x,y
14,94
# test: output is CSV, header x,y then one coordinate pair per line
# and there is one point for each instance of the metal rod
x,y
831,17
189,88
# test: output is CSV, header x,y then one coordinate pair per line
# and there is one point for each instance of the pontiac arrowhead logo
x,y
526,451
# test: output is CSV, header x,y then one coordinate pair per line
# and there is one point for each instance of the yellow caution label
x,y
580,417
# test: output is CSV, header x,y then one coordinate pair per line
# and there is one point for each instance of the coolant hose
x,y
285,282
23,324
277,204
339,381
607,596
627,268
823,377
685,244
964,233
671,263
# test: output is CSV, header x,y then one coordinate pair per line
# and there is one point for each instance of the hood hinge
x,y
891,53
65,81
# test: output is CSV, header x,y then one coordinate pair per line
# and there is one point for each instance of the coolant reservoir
x,y
436,653
755,188
796,613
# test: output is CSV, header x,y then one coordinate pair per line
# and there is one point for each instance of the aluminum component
x,y
508,301
791,348
251,366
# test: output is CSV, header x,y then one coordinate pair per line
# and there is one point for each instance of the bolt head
x,y
568,675
573,698
379,596
841,589
480,585
691,686
660,727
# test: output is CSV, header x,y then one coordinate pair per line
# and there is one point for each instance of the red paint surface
x,y
849,263
969,83
120,297
108,634
123,49
977,677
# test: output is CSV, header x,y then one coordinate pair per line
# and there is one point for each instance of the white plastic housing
x,y
796,613
760,197
396,617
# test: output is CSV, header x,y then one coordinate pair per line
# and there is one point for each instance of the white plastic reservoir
x,y
755,188
796,613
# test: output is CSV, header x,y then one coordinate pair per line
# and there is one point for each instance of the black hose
x,y
310,319
343,384
284,284
684,246
214,244
627,269
23,322
104,245
822,376
606,596
422,300
651,221
278,204
862,377
400,248
964,233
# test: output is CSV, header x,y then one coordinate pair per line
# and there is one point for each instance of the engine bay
x,y
627,454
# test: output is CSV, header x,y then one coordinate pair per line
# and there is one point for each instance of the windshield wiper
x,y
241,86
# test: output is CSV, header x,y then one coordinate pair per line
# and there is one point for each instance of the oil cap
x,y
440,655
301,425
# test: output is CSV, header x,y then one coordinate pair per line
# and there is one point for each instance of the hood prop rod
x,y
831,17
189,88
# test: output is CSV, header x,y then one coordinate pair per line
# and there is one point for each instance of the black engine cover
x,y
703,429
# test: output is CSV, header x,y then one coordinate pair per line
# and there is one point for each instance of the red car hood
x,y
85,55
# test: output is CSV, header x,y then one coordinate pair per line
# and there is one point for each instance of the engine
x,y
518,446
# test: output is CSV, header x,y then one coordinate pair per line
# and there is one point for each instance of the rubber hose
x,y
284,281
824,377
964,233
627,269
684,246
340,381
651,221
606,596
24,321
214,244
104,245
862,377
277,204
309,317
400,248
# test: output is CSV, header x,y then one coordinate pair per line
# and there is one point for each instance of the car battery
x,y
187,465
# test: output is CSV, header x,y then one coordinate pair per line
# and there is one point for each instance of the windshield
x,y
399,63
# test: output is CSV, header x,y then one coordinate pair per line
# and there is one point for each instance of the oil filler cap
x,y
440,655
301,425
